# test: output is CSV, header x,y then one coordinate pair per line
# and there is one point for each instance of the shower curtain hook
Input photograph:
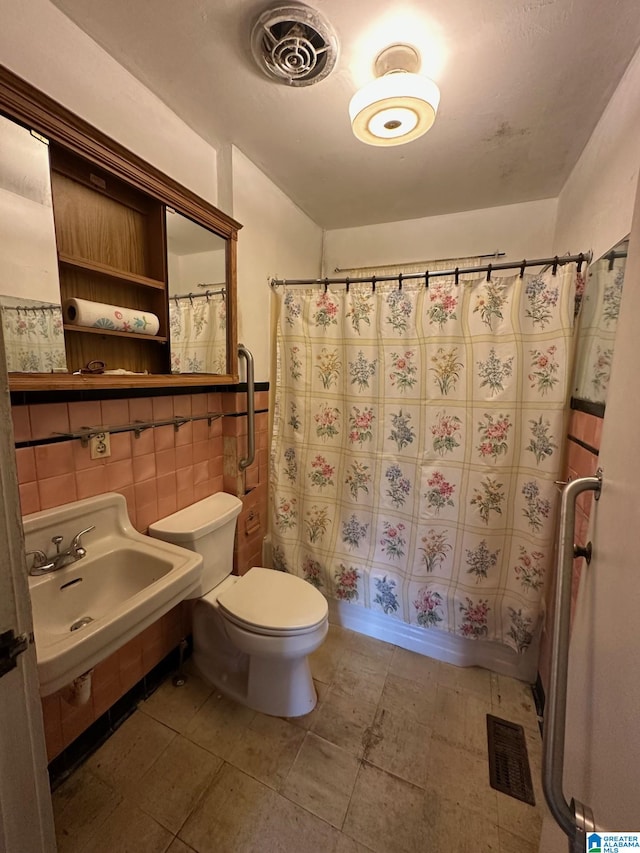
x,y
326,285
399,281
612,258
489,272
426,279
191,299
208,295
580,262
522,266
373,284
457,276
347,283
554,269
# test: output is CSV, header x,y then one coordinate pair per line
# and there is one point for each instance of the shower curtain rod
x,y
496,254
583,257
193,296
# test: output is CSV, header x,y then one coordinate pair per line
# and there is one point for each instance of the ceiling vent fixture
x,y
294,45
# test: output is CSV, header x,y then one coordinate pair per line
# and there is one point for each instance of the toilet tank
x,y
207,527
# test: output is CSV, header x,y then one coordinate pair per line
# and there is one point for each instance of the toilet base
x,y
277,688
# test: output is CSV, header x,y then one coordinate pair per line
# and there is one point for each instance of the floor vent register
x,y
508,760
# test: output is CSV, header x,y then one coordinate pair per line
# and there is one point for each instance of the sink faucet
x,y
42,564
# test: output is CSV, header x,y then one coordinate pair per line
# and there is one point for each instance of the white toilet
x,y
251,634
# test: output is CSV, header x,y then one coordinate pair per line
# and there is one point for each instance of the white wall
x,y
277,240
41,45
596,203
520,230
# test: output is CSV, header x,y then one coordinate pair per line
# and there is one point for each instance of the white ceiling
x,y
523,83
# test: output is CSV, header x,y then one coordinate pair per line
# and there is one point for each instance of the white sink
x,y
88,609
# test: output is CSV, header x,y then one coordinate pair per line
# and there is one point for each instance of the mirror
x,y
597,332
29,286
197,276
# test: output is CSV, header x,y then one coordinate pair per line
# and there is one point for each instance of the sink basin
x,y
86,610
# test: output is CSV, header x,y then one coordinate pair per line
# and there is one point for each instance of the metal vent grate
x,y
508,760
294,45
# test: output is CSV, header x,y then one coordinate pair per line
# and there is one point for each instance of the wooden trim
x,y
21,101
94,330
80,382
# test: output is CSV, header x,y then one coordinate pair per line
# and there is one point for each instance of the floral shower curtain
x,y
417,437
33,336
198,329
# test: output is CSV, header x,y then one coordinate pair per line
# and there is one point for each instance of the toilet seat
x,y
265,601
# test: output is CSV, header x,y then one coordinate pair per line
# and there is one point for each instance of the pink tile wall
x,y
158,473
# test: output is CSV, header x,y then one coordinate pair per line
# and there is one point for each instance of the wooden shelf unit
x,y
112,249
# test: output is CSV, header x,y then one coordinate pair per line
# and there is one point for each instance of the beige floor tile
x,y
510,843
81,804
344,721
472,679
387,814
414,667
348,845
230,816
460,718
409,697
322,779
513,700
267,749
129,830
177,706
454,827
400,745
171,788
519,818
241,815
377,650
128,754
178,846
359,677
463,777
219,725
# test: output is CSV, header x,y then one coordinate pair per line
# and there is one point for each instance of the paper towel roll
x,y
82,312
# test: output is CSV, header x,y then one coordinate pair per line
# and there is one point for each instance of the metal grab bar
x,y
251,410
574,819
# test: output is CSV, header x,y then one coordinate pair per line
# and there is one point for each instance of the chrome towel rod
x,y
558,261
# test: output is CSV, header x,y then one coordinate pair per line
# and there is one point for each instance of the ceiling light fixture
x,y
399,105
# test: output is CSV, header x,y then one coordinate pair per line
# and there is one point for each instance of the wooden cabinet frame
x,y
23,103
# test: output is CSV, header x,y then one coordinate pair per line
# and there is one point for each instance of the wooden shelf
x,y
65,382
94,330
105,270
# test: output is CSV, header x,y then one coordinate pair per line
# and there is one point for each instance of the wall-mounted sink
x,y
87,609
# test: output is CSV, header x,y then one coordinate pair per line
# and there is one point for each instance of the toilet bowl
x,y
252,634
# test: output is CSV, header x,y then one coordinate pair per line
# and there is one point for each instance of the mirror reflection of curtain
x,y
600,311
198,334
33,336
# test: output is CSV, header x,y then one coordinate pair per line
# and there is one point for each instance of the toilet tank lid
x,y
197,520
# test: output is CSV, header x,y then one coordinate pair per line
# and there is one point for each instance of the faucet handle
x,y
39,558
75,542
57,541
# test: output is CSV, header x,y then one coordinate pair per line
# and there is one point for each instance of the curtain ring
x,y
554,269
580,262
612,258
522,266
191,299
426,279
489,272
347,283
326,285
399,281
373,284
208,295
457,276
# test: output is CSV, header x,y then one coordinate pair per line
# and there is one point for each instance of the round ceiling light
x,y
398,106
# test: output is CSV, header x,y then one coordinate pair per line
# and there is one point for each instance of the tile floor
x,y
392,760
